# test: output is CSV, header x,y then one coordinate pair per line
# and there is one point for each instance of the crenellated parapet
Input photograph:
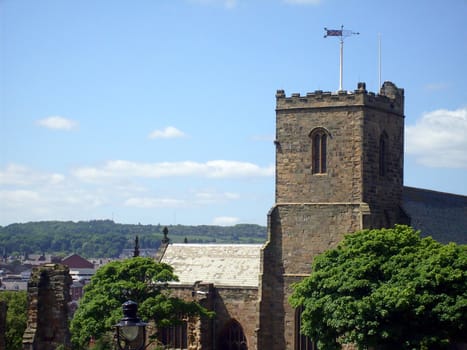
x,y
390,98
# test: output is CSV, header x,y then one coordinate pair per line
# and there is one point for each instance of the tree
x,y
387,289
138,279
16,318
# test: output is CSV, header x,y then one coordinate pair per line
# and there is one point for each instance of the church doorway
x,y
232,337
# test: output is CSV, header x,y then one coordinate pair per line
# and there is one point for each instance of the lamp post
x,y
131,331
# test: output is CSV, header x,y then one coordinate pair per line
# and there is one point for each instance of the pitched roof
x,y
442,216
77,262
236,265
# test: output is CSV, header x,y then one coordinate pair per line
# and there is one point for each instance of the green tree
x,y
139,279
16,318
387,289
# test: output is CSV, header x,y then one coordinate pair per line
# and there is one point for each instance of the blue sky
x,y
162,111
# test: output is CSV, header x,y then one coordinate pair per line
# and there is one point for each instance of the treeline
x,y
105,238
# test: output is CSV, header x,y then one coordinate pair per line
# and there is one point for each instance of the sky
x,y
163,111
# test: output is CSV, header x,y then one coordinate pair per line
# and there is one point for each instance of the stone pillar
x,y
48,296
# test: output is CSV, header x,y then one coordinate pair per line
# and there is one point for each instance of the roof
x,y
443,216
235,265
77,262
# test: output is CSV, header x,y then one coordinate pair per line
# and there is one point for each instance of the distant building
x,y
37,259
76,290
13,282
80,269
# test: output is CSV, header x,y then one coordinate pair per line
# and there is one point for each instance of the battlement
x,y
390,99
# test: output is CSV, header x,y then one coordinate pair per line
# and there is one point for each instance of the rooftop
x,y
442,216
231,265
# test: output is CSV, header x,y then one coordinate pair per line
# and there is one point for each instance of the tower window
x,y
319,150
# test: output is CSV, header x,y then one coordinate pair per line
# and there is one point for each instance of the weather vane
x,y
342,34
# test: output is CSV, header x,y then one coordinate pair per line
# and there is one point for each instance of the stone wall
x,y
298,232
314,209
295,181
199,330
239,304
355,123
383,191
229,304
48,296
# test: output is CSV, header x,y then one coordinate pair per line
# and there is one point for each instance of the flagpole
x,y
341,70
342,34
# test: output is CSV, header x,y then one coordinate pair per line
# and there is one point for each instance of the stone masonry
x,y
361,187
228,303
48,296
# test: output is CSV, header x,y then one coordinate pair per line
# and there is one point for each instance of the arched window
x,y
383,151
302,342
232,337
319,138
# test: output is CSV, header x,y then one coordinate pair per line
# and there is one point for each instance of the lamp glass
x,y
130,332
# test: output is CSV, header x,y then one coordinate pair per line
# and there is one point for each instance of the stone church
x,y
339,169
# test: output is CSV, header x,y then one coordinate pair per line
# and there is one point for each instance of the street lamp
x,y
131,331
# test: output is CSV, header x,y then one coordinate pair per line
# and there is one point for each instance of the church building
x,y
339,169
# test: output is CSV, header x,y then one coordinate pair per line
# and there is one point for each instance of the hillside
x,y
105,238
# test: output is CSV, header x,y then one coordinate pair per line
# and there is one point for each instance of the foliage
x,y
139,279
387,289
16,318
105,238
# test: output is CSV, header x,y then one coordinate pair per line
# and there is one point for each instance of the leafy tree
x,y
16,318
386,289
139,279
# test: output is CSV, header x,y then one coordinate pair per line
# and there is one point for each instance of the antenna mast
x,y
342,34
379,61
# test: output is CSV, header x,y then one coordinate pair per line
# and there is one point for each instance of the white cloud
x,y
210,169
199,198
122,187
303,2
439,138
19,198
58,123
37,196
226,168
149,202
225,221
169,132
19,175
213,197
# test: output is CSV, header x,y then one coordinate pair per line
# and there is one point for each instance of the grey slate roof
x,y
234,265
442,216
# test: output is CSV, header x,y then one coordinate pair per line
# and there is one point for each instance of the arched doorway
x,y
232,337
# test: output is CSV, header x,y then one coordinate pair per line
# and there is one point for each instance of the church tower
x,y
339,169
